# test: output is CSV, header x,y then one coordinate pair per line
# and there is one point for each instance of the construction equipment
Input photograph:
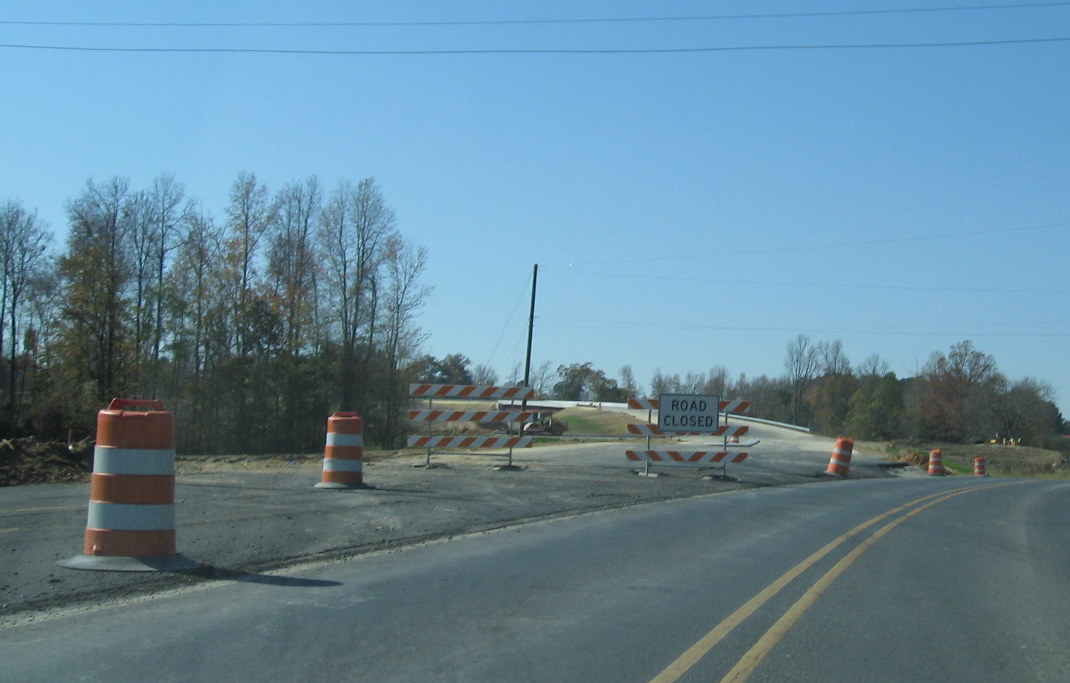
x,y
546,424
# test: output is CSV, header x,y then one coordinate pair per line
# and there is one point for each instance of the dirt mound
x,y
28,461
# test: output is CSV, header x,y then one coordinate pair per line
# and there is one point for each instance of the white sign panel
x,y
688,412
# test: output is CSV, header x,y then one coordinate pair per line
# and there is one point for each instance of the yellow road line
x,y
754,656
693,654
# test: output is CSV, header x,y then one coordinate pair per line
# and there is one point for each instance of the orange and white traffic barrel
x,y
979,466
840,462
343,456
936,462
131,523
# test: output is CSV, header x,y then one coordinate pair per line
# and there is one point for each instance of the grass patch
x,y
584,420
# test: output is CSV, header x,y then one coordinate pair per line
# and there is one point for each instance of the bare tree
x,y
542,379
717,382
168,219
873,366
833,360
96,271
292,263
23,254
355,229
249,215
663,384
801,364
484,375
404,297
627,381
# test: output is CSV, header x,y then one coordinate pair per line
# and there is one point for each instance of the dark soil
x,y
28,461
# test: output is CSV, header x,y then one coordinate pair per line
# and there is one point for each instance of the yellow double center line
x,y
746,665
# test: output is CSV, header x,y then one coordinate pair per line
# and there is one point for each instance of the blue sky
x,y
686,209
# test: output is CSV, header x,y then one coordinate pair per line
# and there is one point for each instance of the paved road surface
x,y
237,520
925,579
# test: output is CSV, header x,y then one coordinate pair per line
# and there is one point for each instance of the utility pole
x,y
531,329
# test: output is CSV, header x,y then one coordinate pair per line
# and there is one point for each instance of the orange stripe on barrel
x,y
110,542
130,489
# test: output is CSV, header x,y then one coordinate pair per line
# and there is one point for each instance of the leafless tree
x,y
801,363
627,381
23,254
291,259
404,296
356,227
249,215
96,272
873,366
484,375
833,360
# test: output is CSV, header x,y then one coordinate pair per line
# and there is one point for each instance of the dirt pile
x,y
28,461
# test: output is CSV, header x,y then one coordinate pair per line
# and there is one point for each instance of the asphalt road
x,y
921,579
239,520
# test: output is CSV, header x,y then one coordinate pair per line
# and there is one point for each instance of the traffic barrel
x,y
979,466
936,462
131,524
343,456
840,462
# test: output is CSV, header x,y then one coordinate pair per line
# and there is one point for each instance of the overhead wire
x,y
519,22
815,247
540,51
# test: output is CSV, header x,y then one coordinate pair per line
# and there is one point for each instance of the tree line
x,y
958,396
254,326
251,327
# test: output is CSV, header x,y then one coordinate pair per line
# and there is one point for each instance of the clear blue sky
x,y
686,209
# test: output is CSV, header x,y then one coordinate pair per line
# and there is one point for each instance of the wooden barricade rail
x,y
472,392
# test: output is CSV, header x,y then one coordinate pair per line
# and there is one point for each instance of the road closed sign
x,y
688,412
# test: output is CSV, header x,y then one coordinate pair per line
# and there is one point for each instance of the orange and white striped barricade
x,y
979,466
936,463
131,524
343,454
840,461
469,392
674,458
650,430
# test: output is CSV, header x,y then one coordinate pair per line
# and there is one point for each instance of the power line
x,y
515,22
834,245
539,51
897,330
829,285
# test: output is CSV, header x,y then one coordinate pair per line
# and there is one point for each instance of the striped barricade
x,y
734,406
696,459
470,441
644,429
473,392
685,458
730,434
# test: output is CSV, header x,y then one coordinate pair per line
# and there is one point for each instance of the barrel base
x,y
168,563
338,485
